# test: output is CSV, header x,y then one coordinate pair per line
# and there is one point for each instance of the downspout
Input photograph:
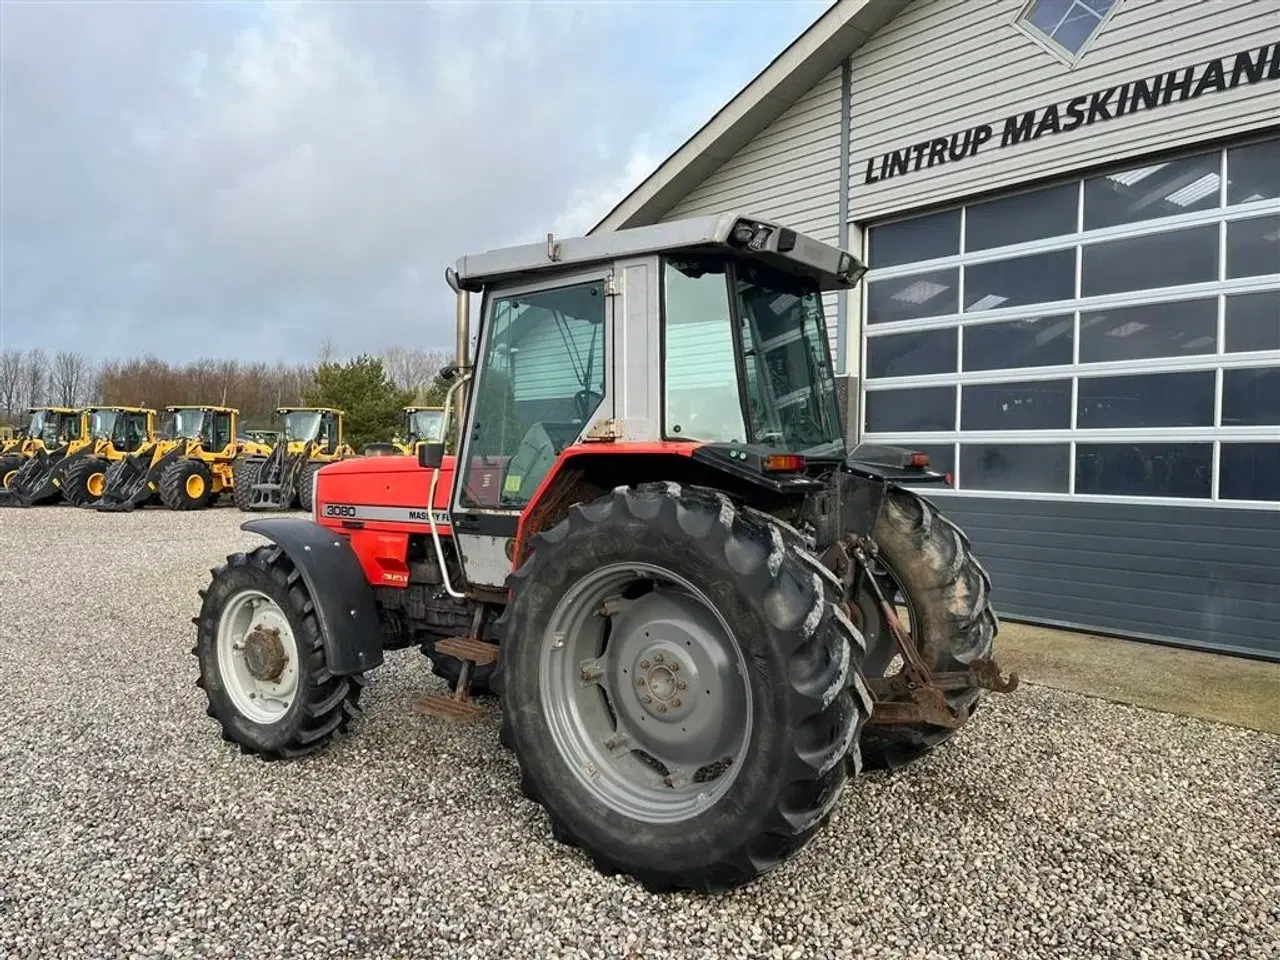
x,y
842,298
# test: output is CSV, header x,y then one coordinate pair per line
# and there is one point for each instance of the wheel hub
x,y
264,655
666,682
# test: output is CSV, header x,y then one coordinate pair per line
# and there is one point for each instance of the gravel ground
x,y
1057,825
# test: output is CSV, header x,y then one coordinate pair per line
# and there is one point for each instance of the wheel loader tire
x,y
948,593
244,474
186,485
84,480
322,704
772,671
8,468
305,500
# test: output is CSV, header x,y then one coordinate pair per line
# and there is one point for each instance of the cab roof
x,y
763,240
56,409
208,407
288,410
120,409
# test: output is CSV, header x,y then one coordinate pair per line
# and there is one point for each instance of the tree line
x,y
375,385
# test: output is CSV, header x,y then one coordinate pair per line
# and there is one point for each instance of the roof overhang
x,y
833,37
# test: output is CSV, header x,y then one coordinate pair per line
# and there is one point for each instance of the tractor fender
x,y
344,601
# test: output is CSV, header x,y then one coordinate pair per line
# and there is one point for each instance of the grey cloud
x,y
226,180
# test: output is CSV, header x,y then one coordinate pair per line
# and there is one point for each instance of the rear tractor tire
x,y
186,485
244,474
679,687
261,660
947,593
84,480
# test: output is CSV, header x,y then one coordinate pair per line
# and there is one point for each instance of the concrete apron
x,y
1217,687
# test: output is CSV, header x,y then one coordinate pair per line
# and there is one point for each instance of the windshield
x,y
774,385
791,390
301,425
183,423
65,425
102,423
426,425
37,423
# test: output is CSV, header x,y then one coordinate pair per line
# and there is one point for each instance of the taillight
x,y
783,463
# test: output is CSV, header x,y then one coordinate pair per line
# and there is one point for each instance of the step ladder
x,y
459,708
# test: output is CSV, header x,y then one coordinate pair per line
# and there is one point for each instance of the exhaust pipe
x,y
462,320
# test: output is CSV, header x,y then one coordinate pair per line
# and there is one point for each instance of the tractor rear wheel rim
x,y
257,656
645,692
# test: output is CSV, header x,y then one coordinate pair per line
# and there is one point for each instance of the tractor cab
x,y
706,335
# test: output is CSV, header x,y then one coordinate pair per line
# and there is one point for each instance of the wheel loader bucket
x,y
33,482
126,486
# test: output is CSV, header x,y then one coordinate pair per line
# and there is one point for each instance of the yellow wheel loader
x,y
27,471
187,468
283,477
114,433
420,425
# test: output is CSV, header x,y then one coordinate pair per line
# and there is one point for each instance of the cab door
x,y
543,379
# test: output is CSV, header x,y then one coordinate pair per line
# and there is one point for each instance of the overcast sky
x,y
245,180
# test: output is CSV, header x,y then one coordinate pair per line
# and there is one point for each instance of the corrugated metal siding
x,y
943,66
789,173
1185,575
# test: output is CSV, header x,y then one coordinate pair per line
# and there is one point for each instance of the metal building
x,y
1071,214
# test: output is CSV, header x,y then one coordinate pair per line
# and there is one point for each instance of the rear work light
x,y
918,459
783,463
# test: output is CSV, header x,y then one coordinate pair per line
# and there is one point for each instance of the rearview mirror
x,y
430,455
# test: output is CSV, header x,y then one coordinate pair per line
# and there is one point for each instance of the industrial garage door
x,y
1097,361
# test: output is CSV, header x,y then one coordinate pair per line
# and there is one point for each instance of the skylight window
x,y
1067,26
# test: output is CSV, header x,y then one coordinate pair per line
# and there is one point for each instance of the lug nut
x,y
646,699
675,702
681,685
675,664
658,657
640,682
644,664
662,708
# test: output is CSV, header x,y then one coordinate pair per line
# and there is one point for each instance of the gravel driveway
x,y
1055,826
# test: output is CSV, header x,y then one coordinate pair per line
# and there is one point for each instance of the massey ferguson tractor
x,y
700,613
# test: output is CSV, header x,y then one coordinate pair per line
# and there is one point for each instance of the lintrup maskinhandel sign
x,y
1173,86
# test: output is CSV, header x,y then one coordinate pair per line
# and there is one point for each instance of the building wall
x,y
943,68
789,173
1051,318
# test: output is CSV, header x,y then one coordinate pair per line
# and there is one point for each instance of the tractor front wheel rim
x,y
645,692
257,657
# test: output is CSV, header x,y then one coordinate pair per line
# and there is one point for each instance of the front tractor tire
x,y
680,687
929,563
261,660
186,485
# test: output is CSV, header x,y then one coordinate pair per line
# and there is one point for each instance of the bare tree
x,y
10,382
35,368
69,378
412,368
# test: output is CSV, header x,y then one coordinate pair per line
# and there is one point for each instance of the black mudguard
x,y
343,598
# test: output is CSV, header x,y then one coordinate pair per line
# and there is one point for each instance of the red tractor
x,y
654,547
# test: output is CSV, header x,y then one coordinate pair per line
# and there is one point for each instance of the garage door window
x,y
1115,336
